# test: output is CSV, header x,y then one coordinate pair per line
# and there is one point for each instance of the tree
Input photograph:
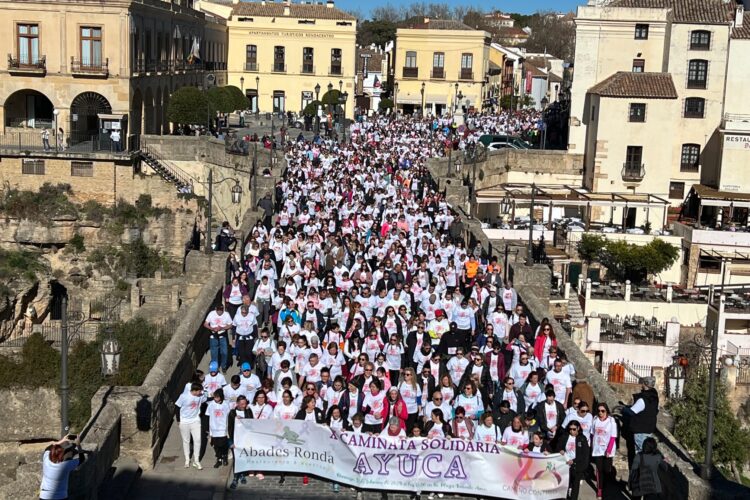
x,y
378,32
590,247
626,261
220,99
556,35
188,106
312,108
238,99
387,13
731,447
385,104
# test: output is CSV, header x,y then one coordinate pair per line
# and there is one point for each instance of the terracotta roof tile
x,y
296,10
743,32
687,11
643,85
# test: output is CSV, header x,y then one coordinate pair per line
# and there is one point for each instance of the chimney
x,y
287,9
739,15
263,2
330,4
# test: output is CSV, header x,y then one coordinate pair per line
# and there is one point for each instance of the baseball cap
x,y
213,366
245,366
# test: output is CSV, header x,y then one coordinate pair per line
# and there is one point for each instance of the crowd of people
x,y
356,303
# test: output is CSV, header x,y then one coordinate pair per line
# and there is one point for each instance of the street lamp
x,y
395,97
676,377
342,100
544,103
257,94
455,99
57,134
317,105
458,166
423,103
242,84
110,352
341,85
236,192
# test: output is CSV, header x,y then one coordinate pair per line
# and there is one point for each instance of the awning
x,y
561,195
711,197
109,116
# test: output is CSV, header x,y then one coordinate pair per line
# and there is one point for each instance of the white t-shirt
x,y
190,407
214,320
283,412
561,383
515,439
409,395
55,477
585,423
486,434
311,373
376,404
217,418
251,385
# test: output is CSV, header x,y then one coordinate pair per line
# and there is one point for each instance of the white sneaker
x,y
440,495
197,465
187,464
431,496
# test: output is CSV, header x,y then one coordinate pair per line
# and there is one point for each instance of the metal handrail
x,y
633,172
99,68
39,65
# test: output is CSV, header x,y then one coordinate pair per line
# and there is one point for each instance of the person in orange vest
x,y
471,267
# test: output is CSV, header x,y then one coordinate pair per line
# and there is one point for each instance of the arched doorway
x,y
149,112
84,116
136,113
28,109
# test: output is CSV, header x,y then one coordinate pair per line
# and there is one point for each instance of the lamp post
x,y
457,166
544,103
110,352
423,103
56,112
317,111
341,85
455,99
257,95
64,388
395,97
236,197
342,100
242,84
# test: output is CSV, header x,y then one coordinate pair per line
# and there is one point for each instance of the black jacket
x,y
431,386
583,451
541,416
233,415
485,379
348,407
503,420
645,421
319,417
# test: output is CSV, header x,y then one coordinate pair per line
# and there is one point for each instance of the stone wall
x,y
14,413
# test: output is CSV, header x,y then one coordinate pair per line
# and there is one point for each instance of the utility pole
x,y
208,248
64,388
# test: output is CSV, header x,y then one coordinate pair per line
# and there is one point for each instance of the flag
x,y
377,82
195,53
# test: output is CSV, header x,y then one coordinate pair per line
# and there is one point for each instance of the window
x,y
641,31
307,60
279,54
700,40
689,160
251,58
91,47
593,113
697,74
467,62
634,157
639,65
279,101
28,43
82,169
411,59
676,190
695,107
637,112
335,61
438,65
32,167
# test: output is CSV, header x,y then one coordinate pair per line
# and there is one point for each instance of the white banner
x,y
413,465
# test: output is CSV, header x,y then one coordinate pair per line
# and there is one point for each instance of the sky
x,y
519,6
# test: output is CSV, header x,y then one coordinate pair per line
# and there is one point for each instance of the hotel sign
x,y
291,34
733,141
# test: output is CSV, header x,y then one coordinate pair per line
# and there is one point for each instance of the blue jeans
x,y
638,439
219,351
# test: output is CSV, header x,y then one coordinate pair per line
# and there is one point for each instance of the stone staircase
x,y
151,157
574,308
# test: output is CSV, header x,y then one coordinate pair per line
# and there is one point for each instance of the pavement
x,y
169,480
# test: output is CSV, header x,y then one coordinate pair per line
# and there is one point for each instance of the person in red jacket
x,y
544,340
396,407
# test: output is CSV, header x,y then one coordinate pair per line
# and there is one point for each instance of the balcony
x,y
89,68
698,83
251,66
279,67
437,73
16,67
215,66
633,172
466,74
335,71
307,69
410,72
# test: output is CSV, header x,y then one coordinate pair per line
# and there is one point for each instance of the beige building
x,y
91,68
440,65
649,94
282,51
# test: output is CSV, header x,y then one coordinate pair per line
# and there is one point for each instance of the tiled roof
x,y
744,31
687,11
374,63
644,85
296,10
418,23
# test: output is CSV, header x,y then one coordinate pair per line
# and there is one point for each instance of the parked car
x,y
495,142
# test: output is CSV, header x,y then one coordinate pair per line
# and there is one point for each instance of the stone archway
x,y
84,116
28,109
149,113
136,113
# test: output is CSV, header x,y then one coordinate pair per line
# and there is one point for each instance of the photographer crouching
x,y
59,460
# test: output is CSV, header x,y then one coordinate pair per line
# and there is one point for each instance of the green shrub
x,y
94,211
39,365
18,264
385,104
49,202
76,244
